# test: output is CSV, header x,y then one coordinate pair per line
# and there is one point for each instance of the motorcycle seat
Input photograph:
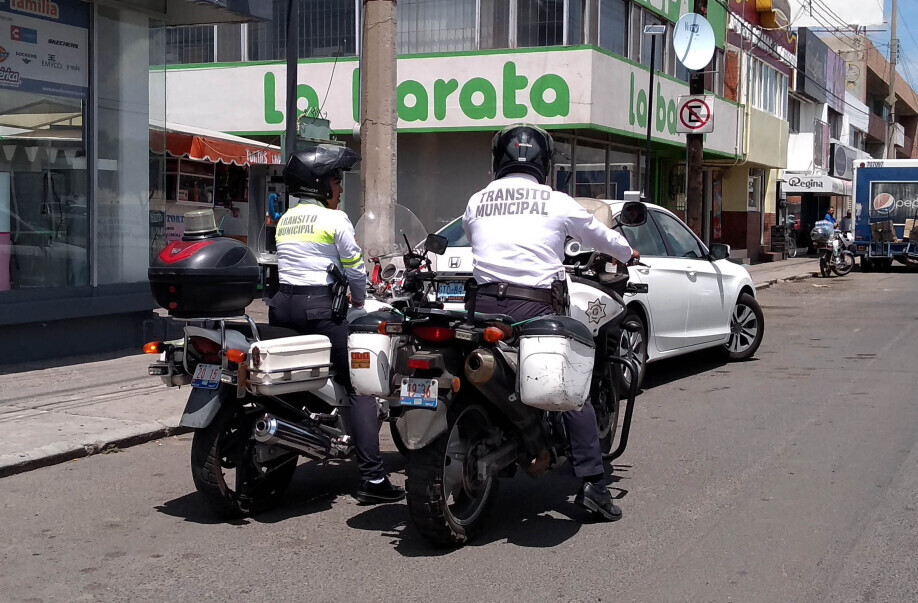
x,y
494,318
266,331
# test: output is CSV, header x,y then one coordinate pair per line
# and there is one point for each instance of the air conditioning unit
x,y
842,161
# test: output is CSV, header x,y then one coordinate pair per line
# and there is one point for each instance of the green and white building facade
x,y
465,69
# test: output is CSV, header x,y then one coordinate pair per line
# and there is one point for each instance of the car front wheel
x,y
747,327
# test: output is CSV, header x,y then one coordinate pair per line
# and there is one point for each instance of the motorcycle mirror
x,y
634,213
436,244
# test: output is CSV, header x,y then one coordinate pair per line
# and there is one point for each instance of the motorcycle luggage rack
x,y
222,320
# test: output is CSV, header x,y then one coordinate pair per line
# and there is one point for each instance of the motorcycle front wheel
x,y
447,503
844,264
606,404
223,467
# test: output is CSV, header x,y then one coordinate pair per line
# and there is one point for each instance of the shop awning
x,y
796,184
209,145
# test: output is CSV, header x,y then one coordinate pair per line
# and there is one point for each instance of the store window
x,y
591,176
44,181
613,26
436,26
495,24
540,23
194,44
562,176
327,28
768,88
793,115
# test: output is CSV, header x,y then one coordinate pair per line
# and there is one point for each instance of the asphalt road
x,y
793,477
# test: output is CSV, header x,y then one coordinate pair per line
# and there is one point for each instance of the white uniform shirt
x,y
309,238
517,228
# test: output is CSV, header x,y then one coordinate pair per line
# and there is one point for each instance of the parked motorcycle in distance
x,y
479,391
832,246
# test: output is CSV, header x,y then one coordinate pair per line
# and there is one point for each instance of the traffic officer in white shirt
x,y
310,237
517,227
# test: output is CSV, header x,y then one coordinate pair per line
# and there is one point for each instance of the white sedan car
x,y
696,297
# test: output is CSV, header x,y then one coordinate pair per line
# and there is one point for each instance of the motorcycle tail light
x,y
237,356
154,347
418,364
208,350
493,335
431,334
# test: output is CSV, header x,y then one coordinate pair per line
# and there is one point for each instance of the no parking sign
x,y
696,115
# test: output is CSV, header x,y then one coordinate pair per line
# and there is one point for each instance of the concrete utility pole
x,y
694,190
378,121
893,52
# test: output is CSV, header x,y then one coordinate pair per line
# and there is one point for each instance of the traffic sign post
x,y
696,115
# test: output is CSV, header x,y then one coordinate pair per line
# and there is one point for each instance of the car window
x,y
454,234
681,240
645,238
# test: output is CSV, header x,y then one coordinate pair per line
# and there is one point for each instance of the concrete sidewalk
x,y
58,411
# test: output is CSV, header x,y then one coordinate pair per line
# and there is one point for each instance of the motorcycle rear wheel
x,y
824,269
447,503
227,445
844,264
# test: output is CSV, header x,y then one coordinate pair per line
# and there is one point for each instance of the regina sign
x,y
820,185
469,91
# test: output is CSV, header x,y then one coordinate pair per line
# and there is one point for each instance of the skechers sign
x,y
575,87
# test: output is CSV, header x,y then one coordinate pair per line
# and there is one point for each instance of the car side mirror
x,y
436,244
719,251
634,213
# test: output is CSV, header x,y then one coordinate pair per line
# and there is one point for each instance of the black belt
x,y
305,289
507,291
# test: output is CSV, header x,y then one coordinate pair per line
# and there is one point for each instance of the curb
x,y
775,281
85,450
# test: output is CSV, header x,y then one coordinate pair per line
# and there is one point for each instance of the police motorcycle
x,y
261,396
479,392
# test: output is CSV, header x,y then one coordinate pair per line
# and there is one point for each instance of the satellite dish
x,y
693,41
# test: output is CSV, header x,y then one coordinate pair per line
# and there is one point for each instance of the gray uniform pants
x,y
311,315
586,456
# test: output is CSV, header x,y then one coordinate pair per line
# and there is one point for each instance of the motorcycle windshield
x,y
382,233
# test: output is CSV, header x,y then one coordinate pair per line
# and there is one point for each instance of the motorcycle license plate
x,y
420,393
451,292
206,376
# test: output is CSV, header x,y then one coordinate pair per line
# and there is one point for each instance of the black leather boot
x,y
597,499
383,492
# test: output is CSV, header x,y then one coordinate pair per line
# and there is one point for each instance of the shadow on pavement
x,y
314,489
673,369
523,513
39,365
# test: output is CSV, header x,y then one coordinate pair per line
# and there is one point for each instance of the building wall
x,y
768,138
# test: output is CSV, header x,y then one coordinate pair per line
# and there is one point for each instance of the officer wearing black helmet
x,y
310,237
517,227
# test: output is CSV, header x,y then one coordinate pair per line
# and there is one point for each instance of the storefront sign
x,y
482,92
44,47
821,185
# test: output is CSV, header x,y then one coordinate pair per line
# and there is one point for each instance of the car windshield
x,y
455,234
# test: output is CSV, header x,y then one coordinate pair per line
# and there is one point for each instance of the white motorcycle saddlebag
x,y
371,354
289,364
556,363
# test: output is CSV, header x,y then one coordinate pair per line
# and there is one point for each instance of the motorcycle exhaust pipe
x,y
277,432
497,383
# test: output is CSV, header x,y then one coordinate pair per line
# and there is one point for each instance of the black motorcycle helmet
x,y
309,172
523,148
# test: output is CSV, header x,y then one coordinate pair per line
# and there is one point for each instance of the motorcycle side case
x,y
203,405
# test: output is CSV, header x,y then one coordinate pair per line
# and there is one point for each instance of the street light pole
x,y
653,31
